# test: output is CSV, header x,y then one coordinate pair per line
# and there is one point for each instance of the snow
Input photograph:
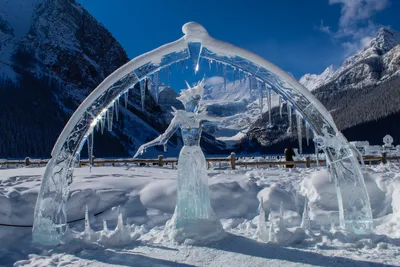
x,y
147,196
385,43
236,104
313,81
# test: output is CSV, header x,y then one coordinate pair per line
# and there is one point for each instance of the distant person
x,y
289,154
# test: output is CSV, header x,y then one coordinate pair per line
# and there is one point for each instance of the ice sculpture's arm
x,y
160,140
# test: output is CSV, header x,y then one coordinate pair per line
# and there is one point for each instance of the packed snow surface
x,y
146,197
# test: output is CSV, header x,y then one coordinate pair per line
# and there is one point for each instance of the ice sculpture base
x,y
47,235
194,231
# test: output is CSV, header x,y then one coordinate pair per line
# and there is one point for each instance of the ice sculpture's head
x,y
191,97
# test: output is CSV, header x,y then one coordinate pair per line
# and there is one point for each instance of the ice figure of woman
x,y
194,217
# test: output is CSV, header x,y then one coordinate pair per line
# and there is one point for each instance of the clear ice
x,y
90,140
269,99
289,112
260,99
193,216
50,210
110,117
299,132
305,220
262,222
307,133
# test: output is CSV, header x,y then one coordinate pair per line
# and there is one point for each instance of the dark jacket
x,y
289,154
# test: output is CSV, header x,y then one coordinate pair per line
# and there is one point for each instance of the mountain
x,y
53,53
237,106
363,96
376,61
312,81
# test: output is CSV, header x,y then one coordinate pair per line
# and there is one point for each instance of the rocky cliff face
x,y
53,53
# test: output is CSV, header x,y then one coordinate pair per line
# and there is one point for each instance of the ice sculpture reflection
x,y
50,211
194,217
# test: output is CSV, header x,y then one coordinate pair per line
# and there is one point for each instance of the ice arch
x,y
50,212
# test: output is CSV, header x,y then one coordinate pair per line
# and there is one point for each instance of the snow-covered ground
x,y
146,195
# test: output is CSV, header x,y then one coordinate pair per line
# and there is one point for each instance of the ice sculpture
x,y
305,219
194,217
388,141
262,232
340,159
50,211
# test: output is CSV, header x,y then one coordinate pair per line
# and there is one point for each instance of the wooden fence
x,y
231,160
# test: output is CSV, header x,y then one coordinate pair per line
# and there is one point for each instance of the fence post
x,y
384,157
160,160
233,160
27,161
308,162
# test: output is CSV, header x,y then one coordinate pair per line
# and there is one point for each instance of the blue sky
x,y
299,36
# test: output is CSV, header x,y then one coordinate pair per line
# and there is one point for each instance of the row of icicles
x,y
107,115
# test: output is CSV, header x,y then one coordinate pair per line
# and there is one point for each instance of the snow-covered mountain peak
x,y
384,41
312,81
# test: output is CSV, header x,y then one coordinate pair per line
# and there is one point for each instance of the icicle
x,y
209,64
316,153
216,66
308,133
142,92
194,53
224,70
299,132
88,230
165,148
280,106
269,99
102,122
116,108
89,141
305,220
126,96
289,111
97,126
110,117
260,99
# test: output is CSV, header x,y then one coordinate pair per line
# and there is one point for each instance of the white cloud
x,y
356,27
354,11
323,28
